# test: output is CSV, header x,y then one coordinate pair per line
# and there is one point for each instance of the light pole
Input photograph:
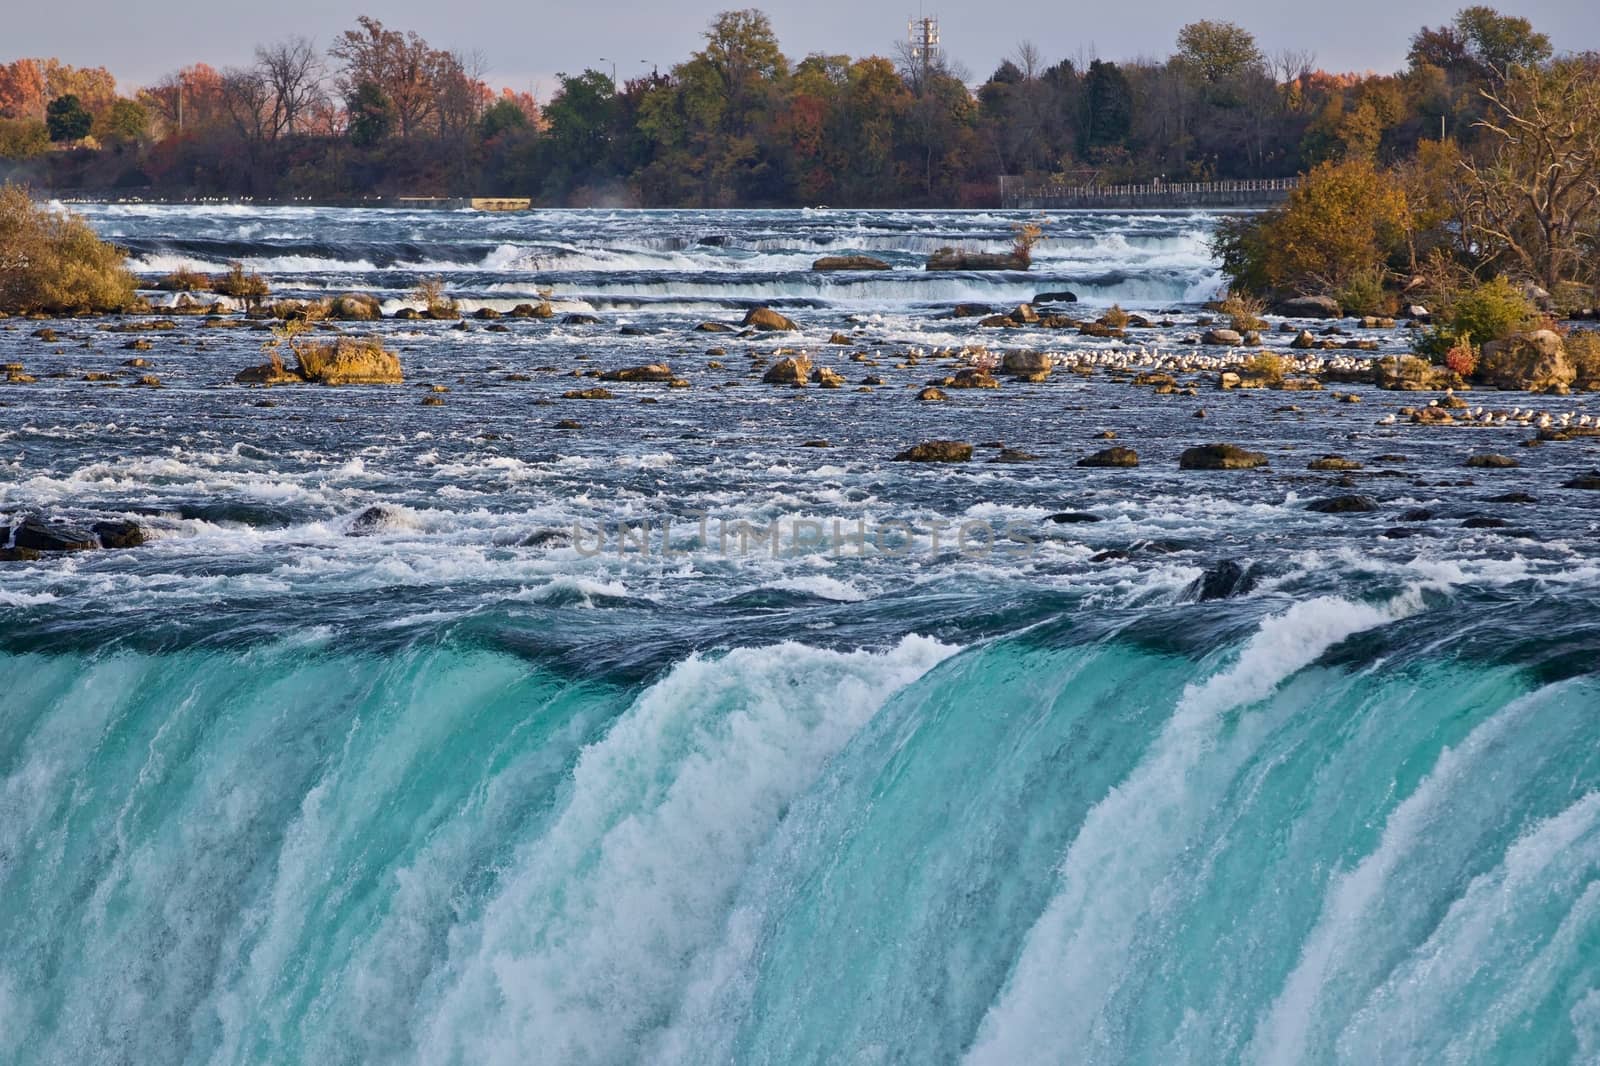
x,y
613,63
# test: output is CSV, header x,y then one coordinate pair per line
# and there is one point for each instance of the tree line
x,y
738,123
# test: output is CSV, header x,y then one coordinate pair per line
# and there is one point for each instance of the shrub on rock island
x,y
1480,314
51,261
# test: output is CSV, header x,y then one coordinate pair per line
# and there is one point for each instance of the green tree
x,y
1217,51
128,119
1109,101
67,119
371,114
1501,42
500,116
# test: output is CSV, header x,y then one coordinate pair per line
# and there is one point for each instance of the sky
x,y
525,44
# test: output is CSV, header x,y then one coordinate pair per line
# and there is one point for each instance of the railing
x,y
1242,193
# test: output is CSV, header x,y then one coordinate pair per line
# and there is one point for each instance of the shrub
x,y
53,262
185,280
1364,293
251,288
430,293
1491,311
1116,317
1583,349
1266,365
1244,311
1462,359
1025,236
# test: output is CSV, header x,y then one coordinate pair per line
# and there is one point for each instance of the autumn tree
x,y
400,66
187,100
22,90
1343,221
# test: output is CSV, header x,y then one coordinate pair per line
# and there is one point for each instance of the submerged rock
x,y
1491,461
957,259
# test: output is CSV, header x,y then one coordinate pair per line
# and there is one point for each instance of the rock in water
x,y
377,518
765,318
793,370
355,307
649,372
1333,462
349,362
41,535
936,451
1343,505
1220,457
1223,581
848,262
120,534
1111,457
1534,362
1308,307
1026,363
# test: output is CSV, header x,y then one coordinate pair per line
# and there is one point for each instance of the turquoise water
x,y
270,792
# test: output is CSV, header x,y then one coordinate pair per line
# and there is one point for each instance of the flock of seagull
x,y
1147,359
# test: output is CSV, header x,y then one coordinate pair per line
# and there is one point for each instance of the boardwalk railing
x,y
1257,192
